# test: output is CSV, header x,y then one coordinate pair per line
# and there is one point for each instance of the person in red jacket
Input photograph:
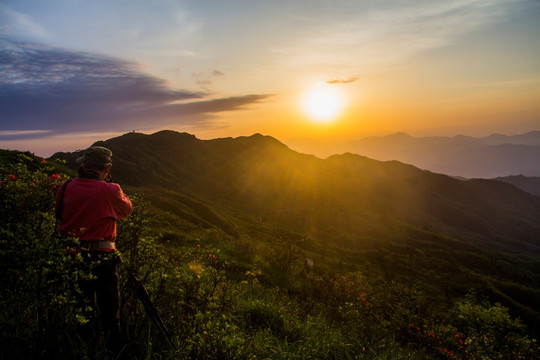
x,y
89,207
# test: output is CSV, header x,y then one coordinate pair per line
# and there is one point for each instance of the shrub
x,y
213,309
39,301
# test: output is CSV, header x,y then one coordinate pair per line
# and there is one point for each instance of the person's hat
x,y
98,154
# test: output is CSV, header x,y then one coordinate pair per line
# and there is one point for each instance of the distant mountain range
x,y
348,200
470,157
528,184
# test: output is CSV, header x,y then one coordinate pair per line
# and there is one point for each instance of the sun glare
x,y
323,103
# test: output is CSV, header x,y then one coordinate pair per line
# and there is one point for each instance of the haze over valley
x,y
492,156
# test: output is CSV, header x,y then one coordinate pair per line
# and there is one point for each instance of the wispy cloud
x,y
205,80
387,32
342,81
64,91
22,134
217,73
15,22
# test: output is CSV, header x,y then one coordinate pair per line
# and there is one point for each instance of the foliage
x,y
39,297
227,297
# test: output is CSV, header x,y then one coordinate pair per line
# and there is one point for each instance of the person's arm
x,y
121,204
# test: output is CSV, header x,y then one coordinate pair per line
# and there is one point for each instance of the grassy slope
x,y
346,212
301,312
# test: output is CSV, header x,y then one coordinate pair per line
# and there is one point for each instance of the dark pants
x,y
103,288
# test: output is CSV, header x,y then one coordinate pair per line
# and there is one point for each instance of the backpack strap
x,y
60,205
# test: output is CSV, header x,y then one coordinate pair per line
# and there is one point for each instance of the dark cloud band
x,y
64,91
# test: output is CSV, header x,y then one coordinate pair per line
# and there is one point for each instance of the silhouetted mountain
x,y
469,157
488,157
528,184
531,138
347,199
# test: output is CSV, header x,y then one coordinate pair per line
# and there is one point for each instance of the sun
x,y
323,103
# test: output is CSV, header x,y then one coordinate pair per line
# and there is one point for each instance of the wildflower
x,y
13,177
55,176
43,161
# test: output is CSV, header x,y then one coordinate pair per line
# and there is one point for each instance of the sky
x,y
73,72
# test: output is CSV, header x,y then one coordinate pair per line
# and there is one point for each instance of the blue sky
x,y
74,72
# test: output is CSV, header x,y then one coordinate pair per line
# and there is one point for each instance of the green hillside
x,y
251,250
414,225
344,194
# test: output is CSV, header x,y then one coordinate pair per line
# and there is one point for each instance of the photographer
x,y
89,206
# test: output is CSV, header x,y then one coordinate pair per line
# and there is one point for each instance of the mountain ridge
x,y
528,184
492,156
351,194
347,212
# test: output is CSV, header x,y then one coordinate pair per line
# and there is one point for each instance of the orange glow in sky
x,y
323,71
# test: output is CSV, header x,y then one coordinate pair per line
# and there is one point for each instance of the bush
x,y
215,309
39,302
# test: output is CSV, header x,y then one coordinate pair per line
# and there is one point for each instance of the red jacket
x,y
90,209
